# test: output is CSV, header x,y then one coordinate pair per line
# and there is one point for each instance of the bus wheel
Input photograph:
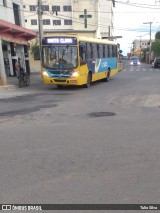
x,y
108,76
88,84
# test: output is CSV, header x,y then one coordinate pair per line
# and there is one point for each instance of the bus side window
x,y
100,51
82,51
110,50
94,50
88,51
114,51
106,51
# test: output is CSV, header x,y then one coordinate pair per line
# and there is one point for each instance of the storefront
x,y
13,47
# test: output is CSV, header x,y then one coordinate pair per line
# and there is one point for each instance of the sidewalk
x,y
12,89
120,66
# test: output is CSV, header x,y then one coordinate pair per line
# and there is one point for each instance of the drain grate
x,y
101,114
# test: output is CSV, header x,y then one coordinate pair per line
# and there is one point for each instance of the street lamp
x,y
150,23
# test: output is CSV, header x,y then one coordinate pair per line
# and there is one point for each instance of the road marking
x,y
140,69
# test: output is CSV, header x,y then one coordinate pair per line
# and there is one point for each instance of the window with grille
x,y
32,7
16,12
3,3
46,21
33,21
55,8
56,22
45,7
67,22
67,8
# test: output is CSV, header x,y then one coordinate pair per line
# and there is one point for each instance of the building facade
x,y
13,39
91,18
138,45
105,19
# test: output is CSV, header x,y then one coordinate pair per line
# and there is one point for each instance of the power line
x,y
139,5
62,17
105,12
78,21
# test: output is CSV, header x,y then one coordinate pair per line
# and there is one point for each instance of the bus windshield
x,y
60,57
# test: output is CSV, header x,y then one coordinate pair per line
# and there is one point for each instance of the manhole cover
x,y
101,114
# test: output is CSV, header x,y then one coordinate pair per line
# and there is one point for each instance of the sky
x,y
129,19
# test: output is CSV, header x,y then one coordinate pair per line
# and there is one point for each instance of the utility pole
x,y
40,24
150,40
3,78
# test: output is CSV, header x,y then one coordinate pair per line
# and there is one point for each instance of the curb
x,y
8,87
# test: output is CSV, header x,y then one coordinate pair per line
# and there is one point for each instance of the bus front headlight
x,y
75,74
46,74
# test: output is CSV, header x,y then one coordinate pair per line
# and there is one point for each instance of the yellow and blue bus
x,y
76,60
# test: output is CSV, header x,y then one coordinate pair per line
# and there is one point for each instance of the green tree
x,y
35,50
156,47
157,35
144,51
120,51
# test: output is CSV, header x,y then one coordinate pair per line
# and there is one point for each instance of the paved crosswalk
x,y
140,70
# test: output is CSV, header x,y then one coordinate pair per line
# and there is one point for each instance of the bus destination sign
x,y
59,40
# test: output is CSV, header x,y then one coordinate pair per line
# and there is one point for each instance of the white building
x,y
13,38
140,44
105,19
91,18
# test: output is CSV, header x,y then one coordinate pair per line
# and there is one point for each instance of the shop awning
x,y
16,34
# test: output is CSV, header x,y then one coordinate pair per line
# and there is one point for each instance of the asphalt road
x,y
75,145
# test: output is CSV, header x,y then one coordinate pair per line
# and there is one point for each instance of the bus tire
x,y
108,76
89,79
